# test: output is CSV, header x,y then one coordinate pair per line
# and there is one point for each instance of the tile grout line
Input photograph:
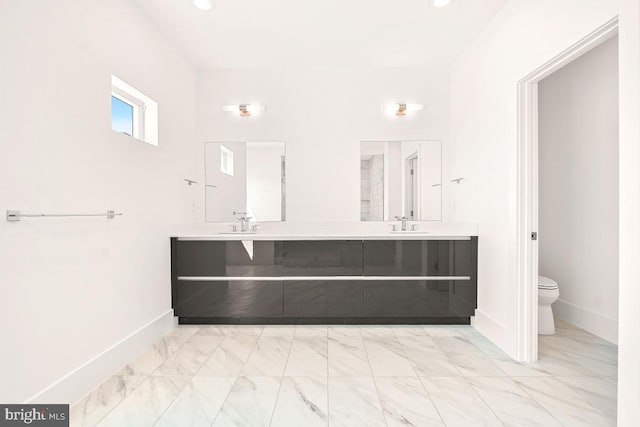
x,y
484,402
536,400
463,378
188,382
432,402
489,358
225,400
146,376
455,366
234,382
570,387
275,403
373,378
328,402
232,385
420,381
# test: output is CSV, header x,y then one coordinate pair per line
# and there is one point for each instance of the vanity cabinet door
x,y
323,299
419,258
322,258
253,258
228,299
418,298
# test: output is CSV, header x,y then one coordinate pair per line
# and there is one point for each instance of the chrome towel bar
x,y
13,215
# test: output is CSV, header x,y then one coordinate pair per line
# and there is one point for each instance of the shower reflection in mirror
x,y
245,177
401,179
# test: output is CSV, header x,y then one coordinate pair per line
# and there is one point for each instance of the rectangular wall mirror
x,y
401,178
245,178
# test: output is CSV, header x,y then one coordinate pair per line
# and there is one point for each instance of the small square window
x,y
133,113
226,160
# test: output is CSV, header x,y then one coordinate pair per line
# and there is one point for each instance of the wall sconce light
x,y
245,110
203,4
440,3
401,109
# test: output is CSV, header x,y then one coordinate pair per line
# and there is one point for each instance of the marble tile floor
x,y
356,376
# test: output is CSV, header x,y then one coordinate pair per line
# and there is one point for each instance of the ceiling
x,y
320,33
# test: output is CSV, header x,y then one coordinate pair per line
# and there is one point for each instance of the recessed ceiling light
x,y
203,4
440,3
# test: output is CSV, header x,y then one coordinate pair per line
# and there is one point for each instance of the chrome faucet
x,y
244,220
404,222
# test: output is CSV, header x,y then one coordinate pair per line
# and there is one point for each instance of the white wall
x,y
430,175
522,37
322,115
578,188
73,287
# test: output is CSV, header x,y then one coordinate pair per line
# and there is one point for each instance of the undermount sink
x,y
408,232
237,232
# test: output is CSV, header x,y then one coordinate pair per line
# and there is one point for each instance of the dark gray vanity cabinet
x,y
228,300
418,258
453,297
323,299
418,299
254,259
324,281
322,258
198,258
205,258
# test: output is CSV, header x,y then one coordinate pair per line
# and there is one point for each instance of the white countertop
x,y
426,230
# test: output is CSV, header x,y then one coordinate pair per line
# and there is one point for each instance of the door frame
x,y
411,175
527,190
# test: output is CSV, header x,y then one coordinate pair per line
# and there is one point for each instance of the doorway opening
x,y
411,187
562,168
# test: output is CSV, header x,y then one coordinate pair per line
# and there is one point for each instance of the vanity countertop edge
x,y
330,231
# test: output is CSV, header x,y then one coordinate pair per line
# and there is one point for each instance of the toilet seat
x,y
546,284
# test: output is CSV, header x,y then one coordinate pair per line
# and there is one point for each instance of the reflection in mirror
x,y
401,178
245,177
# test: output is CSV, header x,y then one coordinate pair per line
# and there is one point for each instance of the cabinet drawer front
x,y
229,299
254,258
195,258
419,258
322,258
323,299
419,298
198,258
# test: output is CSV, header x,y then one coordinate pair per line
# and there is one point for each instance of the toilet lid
x,y
546,283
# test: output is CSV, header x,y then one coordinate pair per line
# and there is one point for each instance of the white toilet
x,y
548,293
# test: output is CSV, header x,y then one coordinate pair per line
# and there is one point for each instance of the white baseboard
x,y
603,327
77,383
493,330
